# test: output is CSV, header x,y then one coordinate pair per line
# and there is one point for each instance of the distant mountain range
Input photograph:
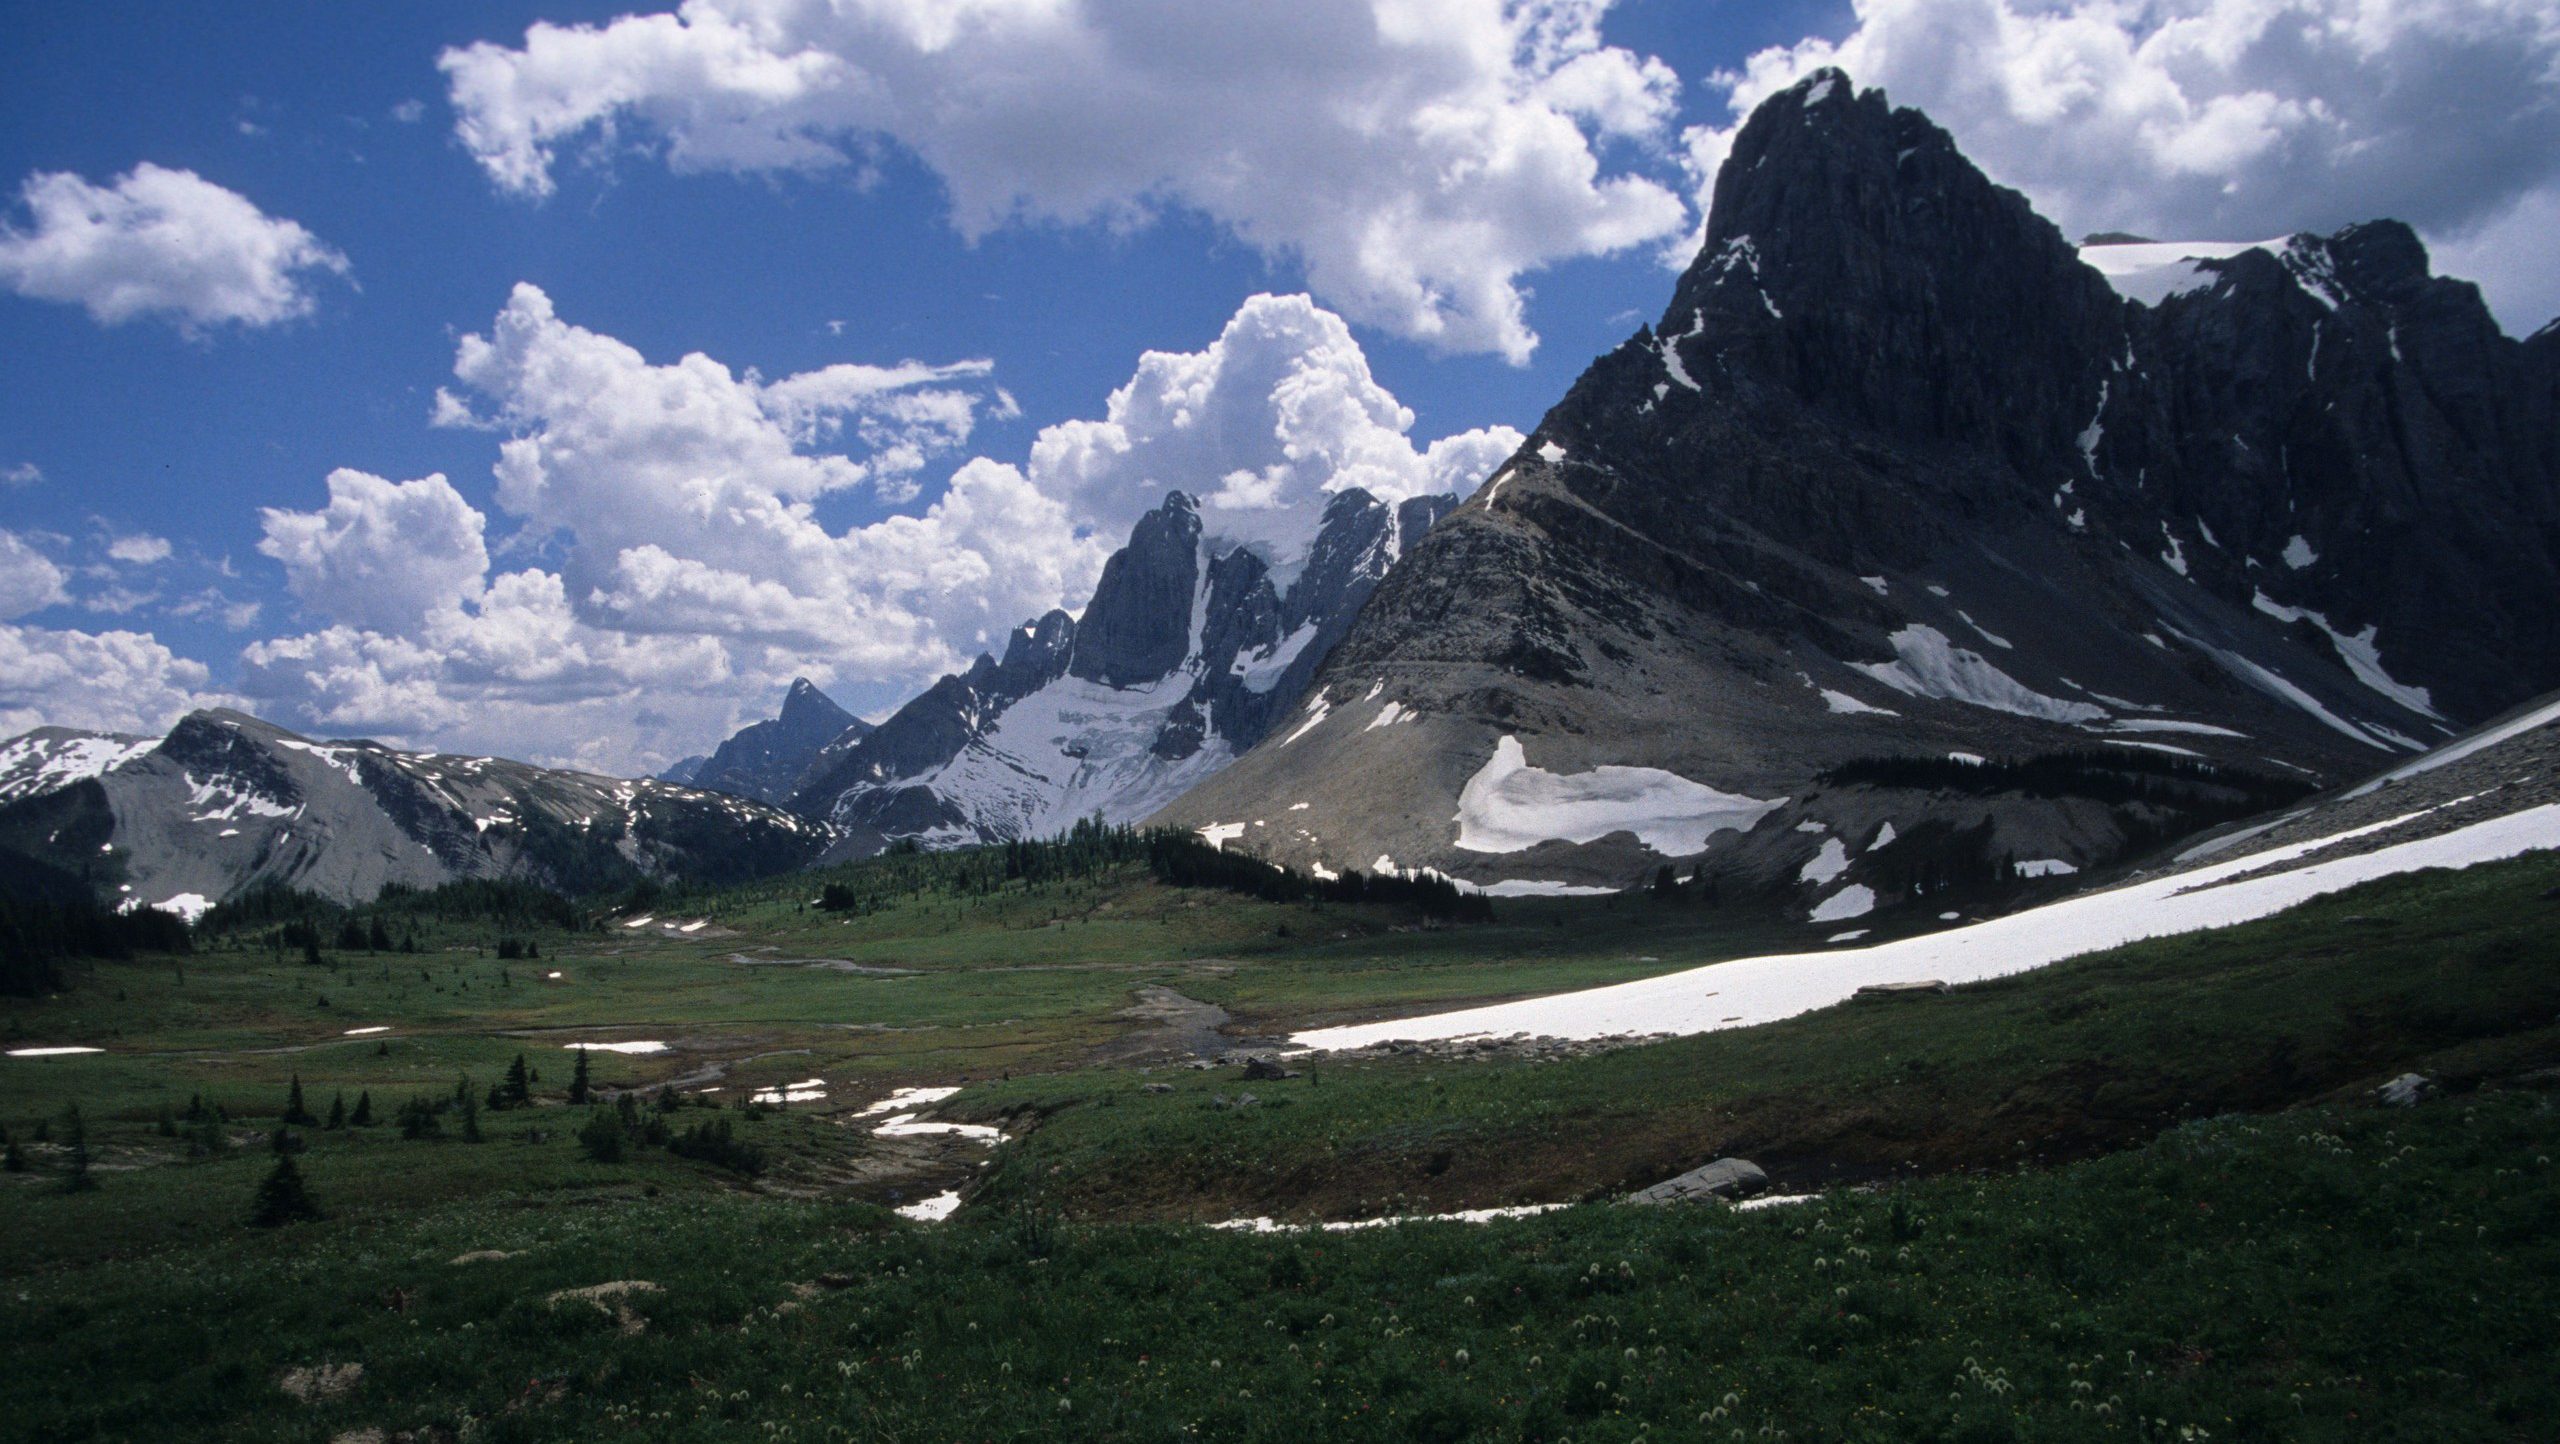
x,y
227,802
1900,483
1189,652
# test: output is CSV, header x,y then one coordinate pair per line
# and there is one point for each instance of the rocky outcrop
x,y
1726,1179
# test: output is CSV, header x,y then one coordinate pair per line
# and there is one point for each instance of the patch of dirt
x,y
319,1383
1174,1029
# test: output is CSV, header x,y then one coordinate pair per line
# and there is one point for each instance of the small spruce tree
x,y
470,1118
295,1114
337,1113
517,1089
578,1080
282,1199
363,1116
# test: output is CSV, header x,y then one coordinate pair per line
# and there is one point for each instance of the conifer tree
x,y
470,1118
337,1112
13,1159
363,1116
517,1090
295,1114
578,1080
282,1199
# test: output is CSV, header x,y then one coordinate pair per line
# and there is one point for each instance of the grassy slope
x,y
2347,1276
2454,972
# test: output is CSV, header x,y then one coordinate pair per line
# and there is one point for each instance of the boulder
x,y
1265,1069
1726,1178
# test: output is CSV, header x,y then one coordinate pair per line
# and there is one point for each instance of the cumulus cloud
x,y
165,243
1417,156
107,681
29,581
1280,410
382,554
2214,119
694,577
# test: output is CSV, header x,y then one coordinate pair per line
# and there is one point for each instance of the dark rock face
x,y
1182,660
1898,474
1138,626
766,760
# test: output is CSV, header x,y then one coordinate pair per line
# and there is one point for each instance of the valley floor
x,y
2154,1179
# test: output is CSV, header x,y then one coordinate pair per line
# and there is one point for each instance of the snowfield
x,y
1748,991
1509,806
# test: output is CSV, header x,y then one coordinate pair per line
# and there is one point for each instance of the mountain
x,y
1908,549
766,760
226,802
1187,655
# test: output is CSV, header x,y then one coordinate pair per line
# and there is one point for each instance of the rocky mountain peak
x,y
1138,625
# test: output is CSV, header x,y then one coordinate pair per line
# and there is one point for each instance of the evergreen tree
x,y
75,1138
168,1127
470,1116
517,1089
13,1159
603,1136
295,1114
282,1199
337,1112
578,1080
418,1120
363,1116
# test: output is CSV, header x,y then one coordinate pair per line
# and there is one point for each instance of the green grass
x,y
2070,1193
2456,973
2347,1275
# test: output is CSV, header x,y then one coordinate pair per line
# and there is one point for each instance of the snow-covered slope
x,y
227,801
2484,797
1187,654
55,757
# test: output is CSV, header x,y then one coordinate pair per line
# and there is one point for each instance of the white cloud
x,y
24,473
409,112
109,681
29,581
141,549
2224,119
694,577
160,242
383,554
1276,412
1417,156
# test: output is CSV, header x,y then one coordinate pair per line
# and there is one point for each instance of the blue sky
x,y
247,247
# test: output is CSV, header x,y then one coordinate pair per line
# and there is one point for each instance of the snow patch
x,y
2046,867
50,1052
1878,583
1550,453
2267,681
1316,711
2298,553
1827,864
361,1032
1219,834
2362,653
1884,835
1541,887
1854,901
1926,664
1509,806
1261,672
1751,991
639,1047
1843,702
190,906
2456,751
1388,716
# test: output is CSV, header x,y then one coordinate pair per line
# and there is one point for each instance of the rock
x,y
2405,1090
1726,1178
1888,990
318,1383
1262,1068
487,1255
610,1299
1158,1088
